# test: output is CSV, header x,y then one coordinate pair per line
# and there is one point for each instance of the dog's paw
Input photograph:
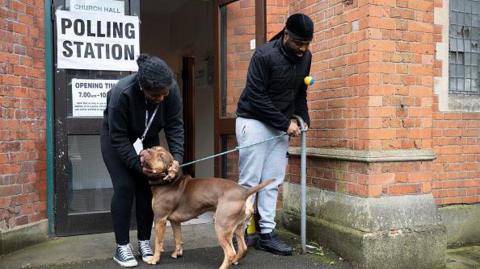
x,y
177,254
153,260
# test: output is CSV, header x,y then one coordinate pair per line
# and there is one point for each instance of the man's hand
x,y
293,129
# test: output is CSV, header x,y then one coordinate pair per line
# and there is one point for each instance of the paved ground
x,y
204,258
201,252
464,258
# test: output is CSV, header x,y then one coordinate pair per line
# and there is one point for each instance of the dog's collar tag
x,y
138,145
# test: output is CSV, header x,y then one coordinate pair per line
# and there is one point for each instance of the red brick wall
x,y
22,114
362,179
277,14
240,18
456,171
373,92
375,84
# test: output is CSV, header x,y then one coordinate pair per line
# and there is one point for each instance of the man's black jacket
x,y
275,89
124,121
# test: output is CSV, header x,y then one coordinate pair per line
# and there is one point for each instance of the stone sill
x,y
369,156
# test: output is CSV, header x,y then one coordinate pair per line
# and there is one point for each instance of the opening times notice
x,y
89,96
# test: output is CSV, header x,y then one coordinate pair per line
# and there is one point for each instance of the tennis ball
x,y
309,80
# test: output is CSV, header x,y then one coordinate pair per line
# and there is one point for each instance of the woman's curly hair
x,y
153,73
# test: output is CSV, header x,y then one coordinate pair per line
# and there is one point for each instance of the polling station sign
x,y
89,96
96,41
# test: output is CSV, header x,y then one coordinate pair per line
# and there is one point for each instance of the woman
x,y
139,106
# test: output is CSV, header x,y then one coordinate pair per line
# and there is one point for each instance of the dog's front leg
x,y
159,236
177,234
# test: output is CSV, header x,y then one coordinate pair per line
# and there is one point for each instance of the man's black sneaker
x,y
251,239
145,250
124,256
271,243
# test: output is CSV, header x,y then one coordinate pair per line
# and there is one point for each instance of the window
x,y
464,47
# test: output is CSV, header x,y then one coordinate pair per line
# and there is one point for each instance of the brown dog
x,y
185,198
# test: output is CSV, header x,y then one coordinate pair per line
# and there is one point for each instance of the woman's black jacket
x,y
124,121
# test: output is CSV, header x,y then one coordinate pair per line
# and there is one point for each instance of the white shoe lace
x,y
126,252
144,247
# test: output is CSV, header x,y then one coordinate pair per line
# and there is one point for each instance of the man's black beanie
x,y
300,27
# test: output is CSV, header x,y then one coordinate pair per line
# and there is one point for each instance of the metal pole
x,y
303,186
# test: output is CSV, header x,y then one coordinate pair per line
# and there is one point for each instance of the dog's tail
x,y
260,186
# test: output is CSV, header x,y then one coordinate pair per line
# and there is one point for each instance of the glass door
x,y
83,189
240,27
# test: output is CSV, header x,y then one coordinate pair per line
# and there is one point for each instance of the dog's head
x,y
157,159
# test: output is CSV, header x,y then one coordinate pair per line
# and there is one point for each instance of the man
x,y
139,106
274,92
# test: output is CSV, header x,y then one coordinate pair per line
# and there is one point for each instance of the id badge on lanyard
x,y
138,144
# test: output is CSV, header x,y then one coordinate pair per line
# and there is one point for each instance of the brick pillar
x,y
370,144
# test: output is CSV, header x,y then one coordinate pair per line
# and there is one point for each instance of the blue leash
x,y
233,150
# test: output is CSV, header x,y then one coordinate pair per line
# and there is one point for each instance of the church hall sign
x,y
96,41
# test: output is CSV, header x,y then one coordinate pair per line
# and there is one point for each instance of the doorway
x,y
180,32
208,45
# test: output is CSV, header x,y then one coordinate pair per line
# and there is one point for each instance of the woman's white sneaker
x,y
145,250
124,256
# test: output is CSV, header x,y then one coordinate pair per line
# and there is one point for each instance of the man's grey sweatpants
x,y
262,162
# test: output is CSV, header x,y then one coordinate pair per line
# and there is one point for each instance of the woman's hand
x,y
173,169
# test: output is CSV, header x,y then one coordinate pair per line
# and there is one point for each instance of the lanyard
x,y
148,122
